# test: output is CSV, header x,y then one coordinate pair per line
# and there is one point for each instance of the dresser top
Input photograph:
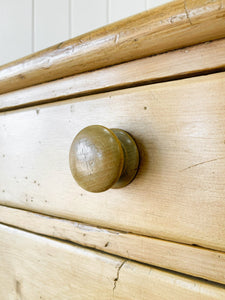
x,y
172,26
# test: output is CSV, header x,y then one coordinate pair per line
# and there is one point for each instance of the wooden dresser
x,y
160,76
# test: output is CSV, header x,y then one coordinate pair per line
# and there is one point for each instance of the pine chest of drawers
x,y
160,77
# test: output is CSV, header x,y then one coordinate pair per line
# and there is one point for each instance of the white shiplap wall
x,y
27,26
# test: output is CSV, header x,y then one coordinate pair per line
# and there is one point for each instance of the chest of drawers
x,y
160,77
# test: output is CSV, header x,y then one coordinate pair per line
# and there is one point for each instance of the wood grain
x,y
174,25
35,267
191,260
96,158
203,58
102,158
178,193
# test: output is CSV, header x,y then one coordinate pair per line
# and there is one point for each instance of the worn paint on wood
x,y
192,260
178,193
174,25
35,267
204,58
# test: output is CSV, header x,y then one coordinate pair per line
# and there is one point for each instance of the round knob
x,y
102,158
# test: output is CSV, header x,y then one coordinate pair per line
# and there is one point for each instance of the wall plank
x,y
15,29
51,22
87,15
154,3
121,9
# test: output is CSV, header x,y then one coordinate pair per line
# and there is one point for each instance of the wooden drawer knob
x,y
102,158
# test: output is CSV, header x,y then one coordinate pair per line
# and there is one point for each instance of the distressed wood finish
x,y
35,267
175,25
192,260
203,58
178,193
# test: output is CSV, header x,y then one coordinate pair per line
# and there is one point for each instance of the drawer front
x,y
191,260
34,267
178,193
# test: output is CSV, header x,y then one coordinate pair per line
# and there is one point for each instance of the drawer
x,y
35,267
178,193
186,259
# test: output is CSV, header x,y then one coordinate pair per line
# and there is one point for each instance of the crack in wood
x,y
187,14
202,163
118,274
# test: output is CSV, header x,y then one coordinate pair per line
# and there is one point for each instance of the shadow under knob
x,y
102,158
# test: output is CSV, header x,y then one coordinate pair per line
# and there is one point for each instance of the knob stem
x,y
131,158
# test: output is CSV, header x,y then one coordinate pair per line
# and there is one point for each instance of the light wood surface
x,y
175,25
35,267
191,260
178,193
203,58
